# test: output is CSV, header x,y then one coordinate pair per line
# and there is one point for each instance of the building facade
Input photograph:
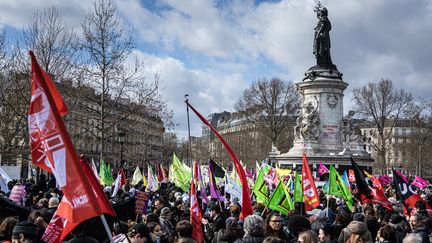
x,y
133,132
246,138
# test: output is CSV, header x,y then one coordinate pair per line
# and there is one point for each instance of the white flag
x,y
3,185
94,169
116,185
5,176
233,189
151,180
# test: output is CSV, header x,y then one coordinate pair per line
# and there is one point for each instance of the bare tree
x,y
55,47
420,139
109,48
270,105
382,105
54,43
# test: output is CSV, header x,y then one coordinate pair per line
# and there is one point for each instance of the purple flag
x,y
203,192
420,182
322,169
214,192
384,180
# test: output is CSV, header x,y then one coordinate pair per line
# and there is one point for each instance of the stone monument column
x,y
321,130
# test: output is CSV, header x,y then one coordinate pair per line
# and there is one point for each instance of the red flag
x,y
100,196
59,227
53,151
310,192
246,201
195,211
408,195
351,176
122,177
161,175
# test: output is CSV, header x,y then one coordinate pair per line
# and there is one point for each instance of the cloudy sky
x,y
212,50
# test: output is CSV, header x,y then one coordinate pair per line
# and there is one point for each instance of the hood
x,y
357,227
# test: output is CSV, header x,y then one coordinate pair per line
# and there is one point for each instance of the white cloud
x,y
208,91
206,48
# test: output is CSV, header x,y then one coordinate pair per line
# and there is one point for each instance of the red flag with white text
x,y
52,149
195,211
59,227
310,192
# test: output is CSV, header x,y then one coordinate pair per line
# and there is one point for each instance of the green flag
x,y
105,175
281,200
181,174
298,188
337,187
260,187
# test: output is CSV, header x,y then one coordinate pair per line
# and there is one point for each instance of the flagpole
x,y
189,136
106,227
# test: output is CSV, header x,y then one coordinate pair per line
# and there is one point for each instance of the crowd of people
x,y
168,219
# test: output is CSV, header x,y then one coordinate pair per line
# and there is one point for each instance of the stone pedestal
x,y
321,130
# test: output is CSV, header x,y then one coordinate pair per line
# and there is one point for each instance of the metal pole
x,y
189,136
121,152
106,227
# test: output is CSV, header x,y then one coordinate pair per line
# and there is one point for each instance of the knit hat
x,y
26,228
231,222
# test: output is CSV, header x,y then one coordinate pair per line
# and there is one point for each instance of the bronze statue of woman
x,y
321,47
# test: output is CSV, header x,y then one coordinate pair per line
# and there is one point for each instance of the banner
x,y
18,194
141,202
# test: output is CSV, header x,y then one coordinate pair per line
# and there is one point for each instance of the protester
x,y
155,231
216,222
254,230
25,232
184,230
119,232
412,238
272,239
139,234
165,220
231,233
371,220
418,227
308,236
296,225
385,234
356,230
273,225
6,228
325,235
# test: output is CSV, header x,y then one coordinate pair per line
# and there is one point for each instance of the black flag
x,y
362,186
217,170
